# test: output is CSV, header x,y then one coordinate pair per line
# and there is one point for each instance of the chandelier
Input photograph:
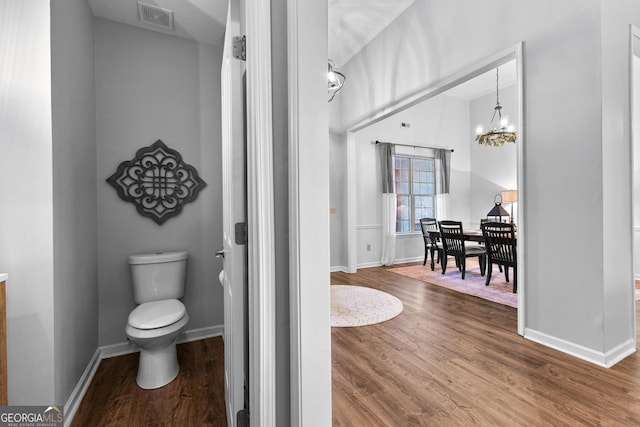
x,y
336,80
496,137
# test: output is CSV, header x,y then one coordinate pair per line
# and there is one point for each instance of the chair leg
x,y
444,263
515,279
489,269
506,273
433,266
483,265
463,263
426,256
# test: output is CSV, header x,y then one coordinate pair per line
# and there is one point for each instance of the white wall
x,y
565,52
442,121
74,193
26,226
493,169
153,86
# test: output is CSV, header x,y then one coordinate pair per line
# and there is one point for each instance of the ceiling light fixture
x,y
336,80
497,137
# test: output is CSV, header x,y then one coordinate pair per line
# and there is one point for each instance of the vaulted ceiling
x,y
352,24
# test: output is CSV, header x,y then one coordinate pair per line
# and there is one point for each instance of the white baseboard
x,y
79,391
128,347
408,260
397,261
339,268
201,333
119,349
599,358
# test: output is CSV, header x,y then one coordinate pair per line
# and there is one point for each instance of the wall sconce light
x,y
336,80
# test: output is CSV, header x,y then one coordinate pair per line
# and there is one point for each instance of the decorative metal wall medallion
x,y
157,182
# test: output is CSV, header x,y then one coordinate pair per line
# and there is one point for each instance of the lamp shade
x,y
509,196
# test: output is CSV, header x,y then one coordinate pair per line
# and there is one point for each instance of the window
x,y
415,191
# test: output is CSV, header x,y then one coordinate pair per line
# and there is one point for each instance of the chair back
x,y
452,237
428,226
500,241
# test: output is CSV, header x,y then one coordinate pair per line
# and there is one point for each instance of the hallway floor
x,y
451,359
194,398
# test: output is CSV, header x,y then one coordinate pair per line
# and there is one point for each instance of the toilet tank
x,y
158,276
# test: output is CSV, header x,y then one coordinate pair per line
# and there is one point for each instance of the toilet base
x,y
158,367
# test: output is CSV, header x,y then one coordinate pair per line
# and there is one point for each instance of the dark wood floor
x,y
448,360
454,360
194,398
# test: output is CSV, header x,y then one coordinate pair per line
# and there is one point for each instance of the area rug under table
x,y
499,290
360,306
473,284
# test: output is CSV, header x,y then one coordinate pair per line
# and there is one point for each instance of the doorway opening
x,y
356,152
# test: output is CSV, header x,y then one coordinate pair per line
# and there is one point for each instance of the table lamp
x,y
510,196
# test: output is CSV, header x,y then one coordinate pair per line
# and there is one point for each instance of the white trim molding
x,y
309,263
73,403
260,209
604,359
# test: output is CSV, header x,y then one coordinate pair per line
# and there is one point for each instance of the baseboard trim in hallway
x,y
119,349
80,390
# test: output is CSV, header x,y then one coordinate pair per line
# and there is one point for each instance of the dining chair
x,y
453,243
432,244
500,242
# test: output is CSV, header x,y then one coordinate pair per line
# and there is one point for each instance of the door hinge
x,y
241,233
240,47
242,418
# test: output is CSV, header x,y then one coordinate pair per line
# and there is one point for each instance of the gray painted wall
x,y
433,40
153,86
74,193
26,227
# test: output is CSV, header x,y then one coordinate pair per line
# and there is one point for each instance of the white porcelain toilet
x,y
158,320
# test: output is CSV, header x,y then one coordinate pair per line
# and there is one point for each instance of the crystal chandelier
x,y
496,137
336,80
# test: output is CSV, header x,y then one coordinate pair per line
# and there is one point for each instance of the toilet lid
x,y
157,314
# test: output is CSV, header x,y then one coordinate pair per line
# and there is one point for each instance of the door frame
x,y
634,108
309,264
260,210
514,52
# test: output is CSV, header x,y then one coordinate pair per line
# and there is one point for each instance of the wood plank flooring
x,y
194,398
448,360
455,360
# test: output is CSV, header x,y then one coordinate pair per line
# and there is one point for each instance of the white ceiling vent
x,y
156,16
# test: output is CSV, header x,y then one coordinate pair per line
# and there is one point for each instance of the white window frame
x,y
411,194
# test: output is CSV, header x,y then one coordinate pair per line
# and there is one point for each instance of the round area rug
x,y
360,306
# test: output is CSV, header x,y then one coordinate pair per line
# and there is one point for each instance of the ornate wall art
x,y
157,182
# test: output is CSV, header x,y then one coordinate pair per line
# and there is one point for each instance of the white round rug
x,y
360,306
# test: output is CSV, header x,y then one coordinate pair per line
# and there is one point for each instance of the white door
x,y
234,275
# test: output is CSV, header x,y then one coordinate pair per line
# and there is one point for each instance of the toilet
x,y
158,320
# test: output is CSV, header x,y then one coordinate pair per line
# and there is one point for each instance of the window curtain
x,y
388,203
443,174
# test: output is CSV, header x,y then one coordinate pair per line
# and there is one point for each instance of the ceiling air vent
x,y
156,16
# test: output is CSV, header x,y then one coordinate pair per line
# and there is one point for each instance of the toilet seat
x,y
156,314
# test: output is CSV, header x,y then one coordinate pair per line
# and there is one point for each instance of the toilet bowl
x,y
158,364
155,324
